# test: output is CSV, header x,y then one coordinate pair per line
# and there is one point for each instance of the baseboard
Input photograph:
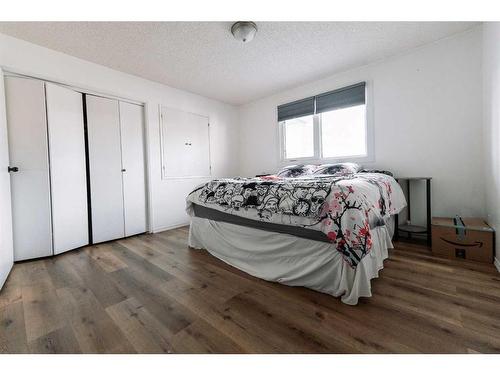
x,y
497,264
170,227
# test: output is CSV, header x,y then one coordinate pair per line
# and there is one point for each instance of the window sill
x,y
350,159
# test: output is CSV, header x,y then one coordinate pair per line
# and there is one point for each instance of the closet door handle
x,y
124,170
12,169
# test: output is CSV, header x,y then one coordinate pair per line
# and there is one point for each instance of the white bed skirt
x,y
292,260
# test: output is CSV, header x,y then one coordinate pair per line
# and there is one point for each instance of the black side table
x,y
410,229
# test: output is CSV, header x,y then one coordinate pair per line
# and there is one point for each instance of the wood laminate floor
x,y
151,294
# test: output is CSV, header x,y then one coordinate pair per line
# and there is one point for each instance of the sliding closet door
x,y
6,243
67,168
134,189
103,127
27,133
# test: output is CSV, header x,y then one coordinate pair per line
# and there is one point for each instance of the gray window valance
x,y
299,108
341,98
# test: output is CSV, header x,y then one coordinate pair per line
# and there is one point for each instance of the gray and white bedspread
x,y
342,207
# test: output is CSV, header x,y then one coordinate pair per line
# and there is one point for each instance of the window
x,y
299,137
332,125
343,132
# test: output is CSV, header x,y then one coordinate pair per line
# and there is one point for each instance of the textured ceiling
x,y
203,57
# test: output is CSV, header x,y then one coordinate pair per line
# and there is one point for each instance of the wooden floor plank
x,y
169,312
99,282
60,341
201,338
152,294
280,331
143,331
11,292
43,311
212,313
12,329
330,330
104,258
62,273
27,274
94,329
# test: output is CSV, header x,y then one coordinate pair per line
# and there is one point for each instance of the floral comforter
x,y
342,207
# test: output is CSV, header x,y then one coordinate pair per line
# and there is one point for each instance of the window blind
x,y
299,108
341,98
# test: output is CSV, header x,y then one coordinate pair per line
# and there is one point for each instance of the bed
x,y
328,230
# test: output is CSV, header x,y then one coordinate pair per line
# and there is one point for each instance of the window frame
x,y
318,152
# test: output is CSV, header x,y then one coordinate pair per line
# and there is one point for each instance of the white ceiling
x,y
203,57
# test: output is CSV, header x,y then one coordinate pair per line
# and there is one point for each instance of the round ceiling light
x,y
244,31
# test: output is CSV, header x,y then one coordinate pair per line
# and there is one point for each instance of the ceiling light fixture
x,y
244,31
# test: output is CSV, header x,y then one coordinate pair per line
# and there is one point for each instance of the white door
x,y
185,143
27,134
6,245
105,164
134,188
67,168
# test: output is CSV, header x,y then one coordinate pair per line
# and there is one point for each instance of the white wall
x,y
167,197
491,101
427,120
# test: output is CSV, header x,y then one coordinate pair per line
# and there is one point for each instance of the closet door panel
x,y
67,168
6,241
103,126
185,144
134,188
28,150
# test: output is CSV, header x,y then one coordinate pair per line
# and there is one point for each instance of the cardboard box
x,y
466,238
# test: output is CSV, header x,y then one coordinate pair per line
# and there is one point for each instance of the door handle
x,y
124,170
12,169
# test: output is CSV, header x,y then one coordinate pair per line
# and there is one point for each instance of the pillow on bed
x,y
296,170
338,168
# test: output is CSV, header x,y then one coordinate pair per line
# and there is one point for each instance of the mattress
x,y
212,214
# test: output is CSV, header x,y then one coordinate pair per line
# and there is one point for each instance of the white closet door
x,y
6,243
27,132
134,189
103,127
67,168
